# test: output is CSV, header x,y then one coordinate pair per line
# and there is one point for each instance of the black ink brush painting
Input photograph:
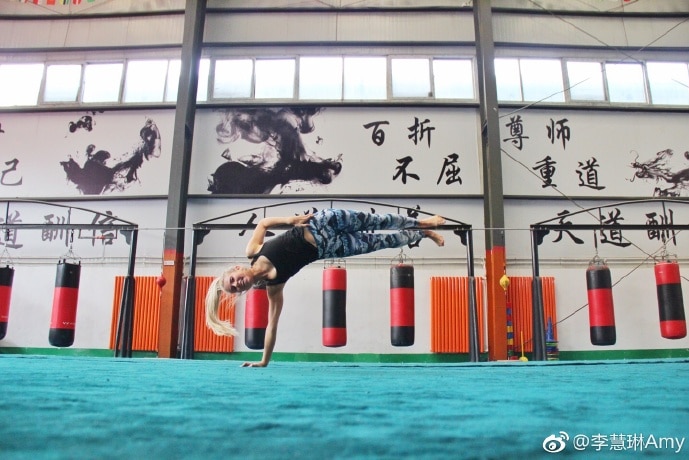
x,y
281,159
102,172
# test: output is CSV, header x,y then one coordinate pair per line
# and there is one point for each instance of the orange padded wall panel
x,y
450,314
146,311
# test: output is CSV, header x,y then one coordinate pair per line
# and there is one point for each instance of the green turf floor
x,y
106,408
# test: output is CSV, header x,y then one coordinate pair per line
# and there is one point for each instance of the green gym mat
x,y
107,408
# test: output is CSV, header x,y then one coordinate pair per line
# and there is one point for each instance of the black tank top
x,y
289,252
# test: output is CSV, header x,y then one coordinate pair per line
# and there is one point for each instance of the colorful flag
x,y
55,2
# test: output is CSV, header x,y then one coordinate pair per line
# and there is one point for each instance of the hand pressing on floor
x,y
259,364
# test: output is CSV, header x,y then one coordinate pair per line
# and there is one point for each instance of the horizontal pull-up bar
x,y
331,204
248,226
120,227
113,221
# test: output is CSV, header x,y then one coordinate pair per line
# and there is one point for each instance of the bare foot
x,y
436,237
431,222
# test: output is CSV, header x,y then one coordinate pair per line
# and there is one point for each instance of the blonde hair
x,y
213,297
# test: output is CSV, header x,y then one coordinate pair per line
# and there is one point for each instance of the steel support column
x,y
173,254
494,216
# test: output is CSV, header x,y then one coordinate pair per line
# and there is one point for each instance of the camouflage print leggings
x,y
342,233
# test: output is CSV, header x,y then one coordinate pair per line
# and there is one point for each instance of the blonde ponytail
x,y
220,327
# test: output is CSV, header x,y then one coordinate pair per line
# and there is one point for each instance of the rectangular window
x,y
507,79
275,78
365,78
669,82
204,73
320,78
542,80
453,79
410,77
145,81
232,78
102,82
625,82
172,84
62,83
585,81
20,84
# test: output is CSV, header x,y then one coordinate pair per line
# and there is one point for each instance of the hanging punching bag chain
x,y
70,252
6,255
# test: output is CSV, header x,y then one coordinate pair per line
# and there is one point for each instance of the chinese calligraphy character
x,y
12,167
54,234
558,130
615,236
418,130
402,170
562,221
546,168
105,236
588,174
450,170
11,234
251,221
516,131
414,214
378,135
658,234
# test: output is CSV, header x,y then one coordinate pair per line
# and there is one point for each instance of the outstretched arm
x,y
267,222
275,301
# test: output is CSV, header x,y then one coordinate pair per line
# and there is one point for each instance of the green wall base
x,y
411,358
623,354
89,352
345,357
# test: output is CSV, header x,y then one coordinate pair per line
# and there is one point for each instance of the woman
x,y
331,233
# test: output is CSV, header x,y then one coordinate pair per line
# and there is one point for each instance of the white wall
x,y
368,280
35,267
602,134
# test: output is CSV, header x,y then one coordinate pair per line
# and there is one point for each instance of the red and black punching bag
x,y
64,316
6,277
601,308
402,305
334,307
256,317
673,324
